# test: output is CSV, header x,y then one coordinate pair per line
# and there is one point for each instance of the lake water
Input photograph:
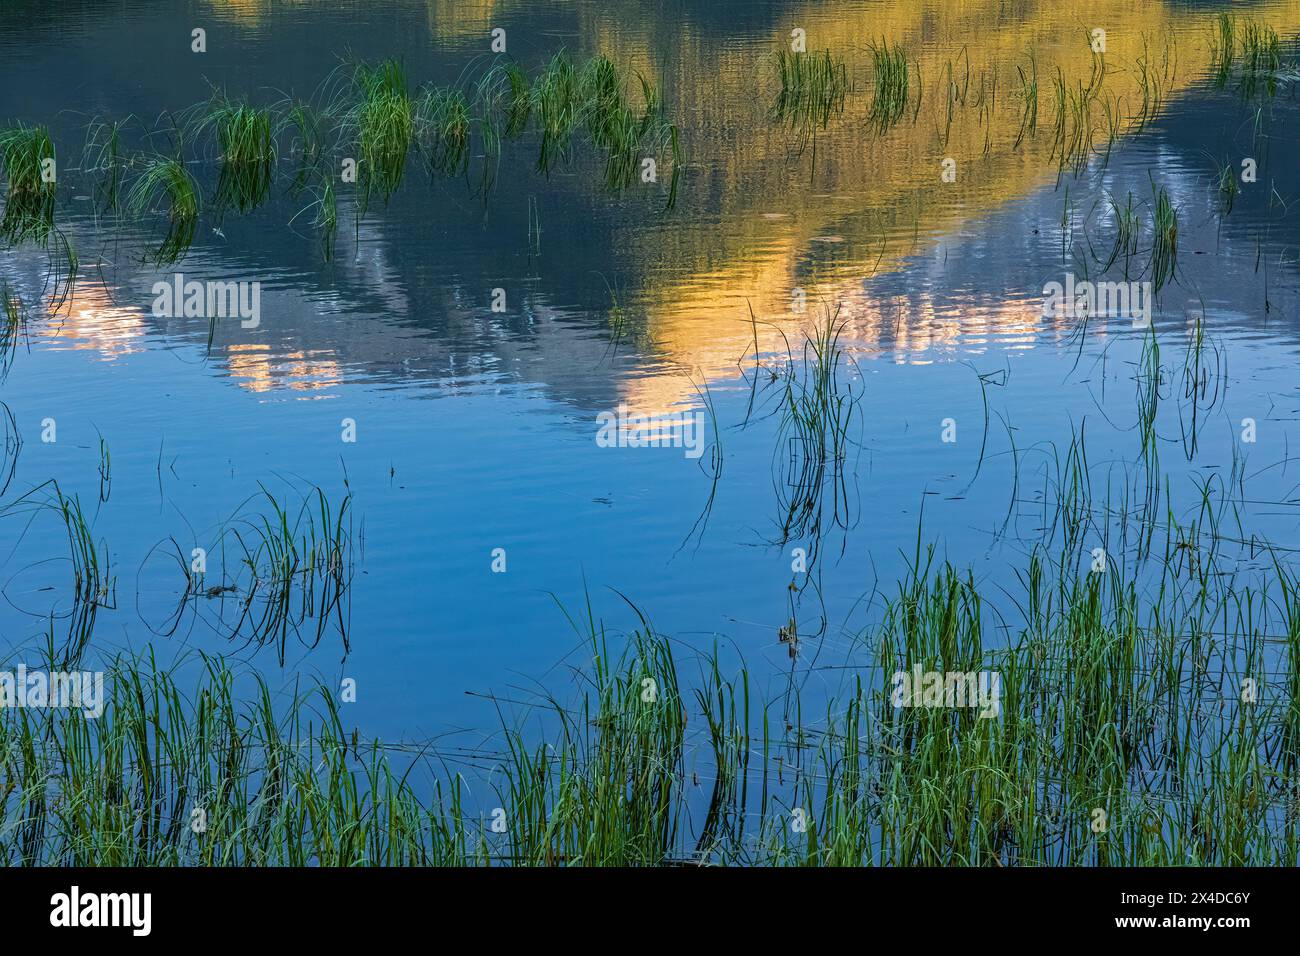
x,y
459,428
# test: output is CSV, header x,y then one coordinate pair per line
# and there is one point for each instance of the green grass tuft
x,y
813,90
166,181
384,122
245,137
26,156
892,72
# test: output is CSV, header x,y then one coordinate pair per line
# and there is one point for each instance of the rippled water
x,y
475,429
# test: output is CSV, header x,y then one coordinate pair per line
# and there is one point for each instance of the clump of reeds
x,y
91,585
1149,380
26,154
1075,127
489,94
520,102
1223,47
813,90
624,133
1261,58
313,132
557,103
245,137
1128,227
1251,46
817,411
1225,181
1204,378
610,121
166,181
326,216
309,143
274,786
1153,81
601,792
442,130
594,97
294,573
384,123
891,71
1164,247
104,154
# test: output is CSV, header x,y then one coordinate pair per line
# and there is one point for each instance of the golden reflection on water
x,y
866,201
880,195
258,368
88,318
464,18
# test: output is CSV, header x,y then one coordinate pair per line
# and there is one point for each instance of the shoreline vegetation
x,y
1135,726
1147,659
1145,662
